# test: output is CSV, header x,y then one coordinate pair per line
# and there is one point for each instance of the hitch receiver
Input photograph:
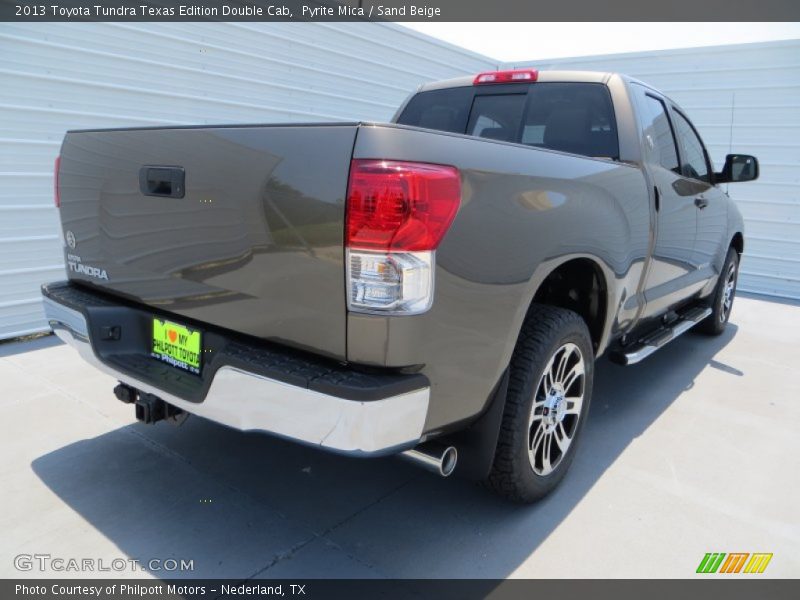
x,y
149,408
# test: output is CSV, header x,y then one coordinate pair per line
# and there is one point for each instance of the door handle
x,y
167,182
700,202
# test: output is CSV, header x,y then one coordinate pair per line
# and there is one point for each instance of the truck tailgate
x,y
250,239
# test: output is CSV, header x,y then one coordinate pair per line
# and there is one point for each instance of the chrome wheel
x,y
556,409
728,293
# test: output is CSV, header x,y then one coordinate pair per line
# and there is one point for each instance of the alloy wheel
x,y
728,293
556,409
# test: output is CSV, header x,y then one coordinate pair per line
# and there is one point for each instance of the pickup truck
x,y
438,287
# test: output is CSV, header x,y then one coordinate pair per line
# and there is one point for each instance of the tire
x,y
722,298
549,336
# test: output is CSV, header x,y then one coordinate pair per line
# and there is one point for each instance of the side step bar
x,y
638,351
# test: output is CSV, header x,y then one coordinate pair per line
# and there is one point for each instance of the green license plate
x,y
176,345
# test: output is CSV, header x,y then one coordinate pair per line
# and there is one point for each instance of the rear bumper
x,y
248,385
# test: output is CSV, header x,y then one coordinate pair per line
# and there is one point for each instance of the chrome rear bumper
x,y
251,402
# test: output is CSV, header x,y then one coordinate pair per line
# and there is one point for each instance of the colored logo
x,y
734,562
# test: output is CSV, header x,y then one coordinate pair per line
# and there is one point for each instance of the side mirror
x,y
738,167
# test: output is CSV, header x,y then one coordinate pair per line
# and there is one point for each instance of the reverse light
x,y
56,190
511,76
395,282
397,214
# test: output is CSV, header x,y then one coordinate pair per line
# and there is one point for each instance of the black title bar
x,y
398,10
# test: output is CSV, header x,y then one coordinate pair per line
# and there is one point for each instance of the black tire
x,y
548,334
715,323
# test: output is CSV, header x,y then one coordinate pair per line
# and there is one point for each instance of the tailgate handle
x,y
167,182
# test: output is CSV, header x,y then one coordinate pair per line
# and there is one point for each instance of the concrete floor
x,y
695,450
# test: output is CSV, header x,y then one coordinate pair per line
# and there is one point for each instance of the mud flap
x,y
477,443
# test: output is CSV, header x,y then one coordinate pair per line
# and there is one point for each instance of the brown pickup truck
x,y
437,287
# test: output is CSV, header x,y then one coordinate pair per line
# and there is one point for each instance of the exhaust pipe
x,y
433,457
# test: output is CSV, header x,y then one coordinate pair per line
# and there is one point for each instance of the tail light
x,y
397,214
512,76
56,190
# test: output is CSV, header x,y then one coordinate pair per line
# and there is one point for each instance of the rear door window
x,y
658,135
694,161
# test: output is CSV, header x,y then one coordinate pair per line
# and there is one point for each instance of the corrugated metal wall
x,y
55,77
744,98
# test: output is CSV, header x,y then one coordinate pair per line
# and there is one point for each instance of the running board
x,y
643,348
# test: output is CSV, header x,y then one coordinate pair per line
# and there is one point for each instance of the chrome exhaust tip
x,y
433,457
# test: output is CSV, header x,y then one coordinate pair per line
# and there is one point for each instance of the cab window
x,y
569,116
496,117
445,110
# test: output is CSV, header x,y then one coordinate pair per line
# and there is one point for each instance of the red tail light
x,y
400,206
512,76
56,190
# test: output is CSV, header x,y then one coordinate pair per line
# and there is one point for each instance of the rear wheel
x,y
722,299
549,392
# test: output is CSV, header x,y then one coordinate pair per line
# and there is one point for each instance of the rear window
x,y
445,110
570,117
497,117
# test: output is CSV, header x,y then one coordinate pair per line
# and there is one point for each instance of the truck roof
x,y
571,76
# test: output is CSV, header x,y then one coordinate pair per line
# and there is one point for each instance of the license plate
x,y
176,345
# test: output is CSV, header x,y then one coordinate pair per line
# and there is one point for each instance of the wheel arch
x,y
581,284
